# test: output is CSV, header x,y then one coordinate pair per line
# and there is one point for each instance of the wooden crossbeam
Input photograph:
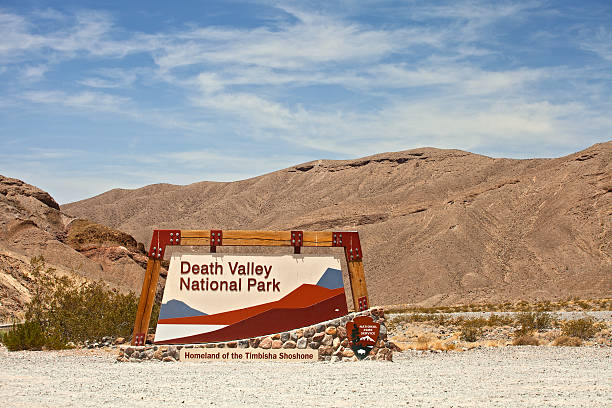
x,y
348,240
256,238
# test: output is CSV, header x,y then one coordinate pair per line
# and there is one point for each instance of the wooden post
x,y
146,316
145,304
358,285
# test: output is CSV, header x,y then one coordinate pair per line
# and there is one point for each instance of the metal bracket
x,y
160,239
216,239
351,243
363,303
297,238
139,339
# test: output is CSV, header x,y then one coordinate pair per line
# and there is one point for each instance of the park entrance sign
x,y
222,297
215,297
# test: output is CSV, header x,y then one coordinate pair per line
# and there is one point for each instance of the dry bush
x,y
494,343
471,330
442,345
499,320
422,342
519,306
525,340
438,345
439,319
394,323
418,317
583,328
567,341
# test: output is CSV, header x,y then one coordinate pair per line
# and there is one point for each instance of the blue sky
x,y
106,94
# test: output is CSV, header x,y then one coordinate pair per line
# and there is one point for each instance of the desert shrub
x,y
154,316
499,320
583,305
64,310
533,321
567,341
544,306
26,336
471,330
583,328
522,305
493,320
440,319
418,317
525,340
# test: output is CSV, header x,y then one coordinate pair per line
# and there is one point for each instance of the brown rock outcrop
x,y
32,225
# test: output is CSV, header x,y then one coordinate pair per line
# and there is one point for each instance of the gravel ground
x,y
503,377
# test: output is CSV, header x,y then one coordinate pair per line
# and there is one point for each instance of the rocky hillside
x,y
437,226
31,225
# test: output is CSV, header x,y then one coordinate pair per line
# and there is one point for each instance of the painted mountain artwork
x,y
219,297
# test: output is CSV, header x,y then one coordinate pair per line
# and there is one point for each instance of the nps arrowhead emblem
x,y
362,334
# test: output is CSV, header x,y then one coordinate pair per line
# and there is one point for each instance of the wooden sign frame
x,y
214,238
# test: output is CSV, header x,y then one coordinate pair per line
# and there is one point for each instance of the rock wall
x,y
328,338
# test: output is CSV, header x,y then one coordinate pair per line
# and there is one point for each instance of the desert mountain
x,y
31,225
437,226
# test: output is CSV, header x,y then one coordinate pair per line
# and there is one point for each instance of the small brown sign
x,y
362,334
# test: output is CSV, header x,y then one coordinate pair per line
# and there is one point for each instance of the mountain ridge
x,y
437,226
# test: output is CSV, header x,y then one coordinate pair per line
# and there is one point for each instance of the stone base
x,y
328,338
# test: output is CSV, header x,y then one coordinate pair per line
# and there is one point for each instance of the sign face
x,y
362,333
211,354
221,297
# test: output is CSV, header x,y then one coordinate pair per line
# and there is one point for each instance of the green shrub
x,y
583,328
64,310
26,336
154,316
533,321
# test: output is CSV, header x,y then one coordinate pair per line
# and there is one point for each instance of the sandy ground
x,y
503,377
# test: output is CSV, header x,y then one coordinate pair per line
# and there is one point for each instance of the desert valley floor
x,y
501,377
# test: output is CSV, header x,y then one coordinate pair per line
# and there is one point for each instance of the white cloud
x,y
292,47
256,110
14,36
600,43
84,100
42,153
111,78
34,72
485,12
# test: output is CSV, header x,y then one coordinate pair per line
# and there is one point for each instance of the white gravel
x,y
506,377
